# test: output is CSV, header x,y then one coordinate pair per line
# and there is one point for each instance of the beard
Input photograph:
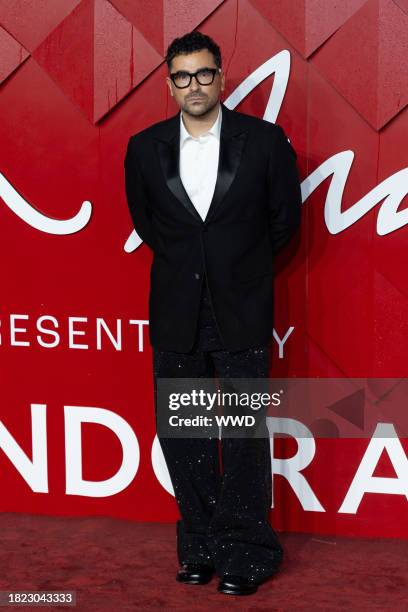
x,y
199,109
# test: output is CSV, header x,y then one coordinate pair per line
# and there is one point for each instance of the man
x,y
215,194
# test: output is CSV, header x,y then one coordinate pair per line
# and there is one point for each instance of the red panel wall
x,y
78,77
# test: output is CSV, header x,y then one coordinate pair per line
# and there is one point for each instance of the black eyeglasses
x,y
204,76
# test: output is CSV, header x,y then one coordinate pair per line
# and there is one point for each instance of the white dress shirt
x,y
199,164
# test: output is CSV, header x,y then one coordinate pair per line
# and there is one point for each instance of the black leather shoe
x,y
195,573
237,585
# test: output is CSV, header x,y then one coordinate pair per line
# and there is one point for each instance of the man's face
x,y
196,99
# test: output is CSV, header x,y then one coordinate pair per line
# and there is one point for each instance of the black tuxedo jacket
x,y
253,213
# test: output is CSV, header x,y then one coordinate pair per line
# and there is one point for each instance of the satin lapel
x,y
231,149
169,159
232,142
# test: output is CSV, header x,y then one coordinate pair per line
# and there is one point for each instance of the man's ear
x,y
168,81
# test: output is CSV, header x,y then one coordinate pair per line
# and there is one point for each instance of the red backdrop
x,y
78,77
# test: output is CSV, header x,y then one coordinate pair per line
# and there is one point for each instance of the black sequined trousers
x,y
224,516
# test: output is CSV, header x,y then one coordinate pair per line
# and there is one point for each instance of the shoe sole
x,y
232,592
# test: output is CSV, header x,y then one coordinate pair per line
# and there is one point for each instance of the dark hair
x,y
193,41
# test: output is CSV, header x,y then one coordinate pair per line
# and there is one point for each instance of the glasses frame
x,y
214,71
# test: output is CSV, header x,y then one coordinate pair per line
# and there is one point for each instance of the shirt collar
x,y
215,129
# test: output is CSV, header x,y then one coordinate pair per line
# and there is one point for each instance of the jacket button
x,y
196,275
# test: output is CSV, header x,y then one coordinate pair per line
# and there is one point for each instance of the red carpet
x,y
120,565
